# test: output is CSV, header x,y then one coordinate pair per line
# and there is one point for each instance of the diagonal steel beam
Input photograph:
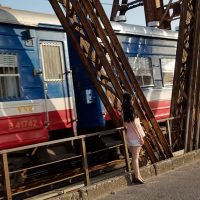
x,y
185,95
107,65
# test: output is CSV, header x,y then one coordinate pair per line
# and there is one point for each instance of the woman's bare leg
x,y
135,161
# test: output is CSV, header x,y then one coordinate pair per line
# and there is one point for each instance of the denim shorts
x,y
133,143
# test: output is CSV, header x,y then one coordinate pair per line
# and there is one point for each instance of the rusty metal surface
x,y
115,9
108,66
154,10
123,6
6,177
185,95
17,180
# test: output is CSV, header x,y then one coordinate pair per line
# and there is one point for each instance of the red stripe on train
x,y
160,109
29,129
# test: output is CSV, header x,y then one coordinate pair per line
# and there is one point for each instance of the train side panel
x,y
33,100
88,103
57,80
152,60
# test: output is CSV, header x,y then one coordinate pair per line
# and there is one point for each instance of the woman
x,y
134,135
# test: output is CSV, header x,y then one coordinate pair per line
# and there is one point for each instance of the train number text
x,y
31,123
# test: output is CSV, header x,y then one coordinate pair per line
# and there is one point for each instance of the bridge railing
x,y
10,174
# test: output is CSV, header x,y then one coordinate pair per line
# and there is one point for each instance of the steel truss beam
x,y
154,10
124,7
186,90
88,27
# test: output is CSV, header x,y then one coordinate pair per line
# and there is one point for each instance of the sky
x,y
134,16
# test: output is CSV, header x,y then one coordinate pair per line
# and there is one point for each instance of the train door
x,y
57,97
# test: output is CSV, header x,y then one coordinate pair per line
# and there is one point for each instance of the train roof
x,y
29,18
124,28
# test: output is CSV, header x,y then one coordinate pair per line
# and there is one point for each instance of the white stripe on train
x,y
15,108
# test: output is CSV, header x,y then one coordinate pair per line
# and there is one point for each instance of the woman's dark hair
x,y
127,107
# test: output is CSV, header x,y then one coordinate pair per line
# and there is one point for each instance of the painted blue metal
x,y
13,40
23,38
145,46
90,113
50,104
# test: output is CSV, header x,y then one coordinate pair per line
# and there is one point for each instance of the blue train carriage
x,y
151,53
36,88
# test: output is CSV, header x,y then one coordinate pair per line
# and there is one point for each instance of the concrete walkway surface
x,y
180,184
166,180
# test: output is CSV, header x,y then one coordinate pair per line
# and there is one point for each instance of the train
x,y
45,93
151,53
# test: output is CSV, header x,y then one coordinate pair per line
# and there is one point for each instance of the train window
x,y
9,76
167,65
142,69
52,60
